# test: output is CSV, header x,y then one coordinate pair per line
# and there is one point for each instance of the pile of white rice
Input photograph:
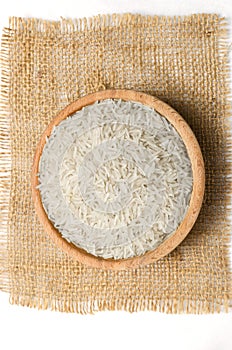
x,y
115,179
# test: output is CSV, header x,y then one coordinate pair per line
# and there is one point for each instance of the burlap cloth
x,y
46,65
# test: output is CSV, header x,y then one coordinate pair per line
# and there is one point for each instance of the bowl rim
x,y
198,171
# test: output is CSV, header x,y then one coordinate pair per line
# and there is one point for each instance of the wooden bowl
x,y
198,171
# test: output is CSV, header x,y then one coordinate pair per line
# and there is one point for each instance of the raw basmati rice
x,y
115,179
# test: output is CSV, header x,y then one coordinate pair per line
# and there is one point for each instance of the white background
x,y
24,328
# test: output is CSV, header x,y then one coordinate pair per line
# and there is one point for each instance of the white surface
x,y
24,328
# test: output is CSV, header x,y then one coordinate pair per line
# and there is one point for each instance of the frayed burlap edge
x,y
168,306
5,159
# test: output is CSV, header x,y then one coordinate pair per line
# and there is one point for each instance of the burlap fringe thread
x,y
5,160
92,307
66,26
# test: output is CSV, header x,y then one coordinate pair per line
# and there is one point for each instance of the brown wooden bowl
x,y
198,171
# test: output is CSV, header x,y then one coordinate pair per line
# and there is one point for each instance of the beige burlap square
x,y
45,66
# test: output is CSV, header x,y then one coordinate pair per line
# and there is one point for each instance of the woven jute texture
x,y
47,65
